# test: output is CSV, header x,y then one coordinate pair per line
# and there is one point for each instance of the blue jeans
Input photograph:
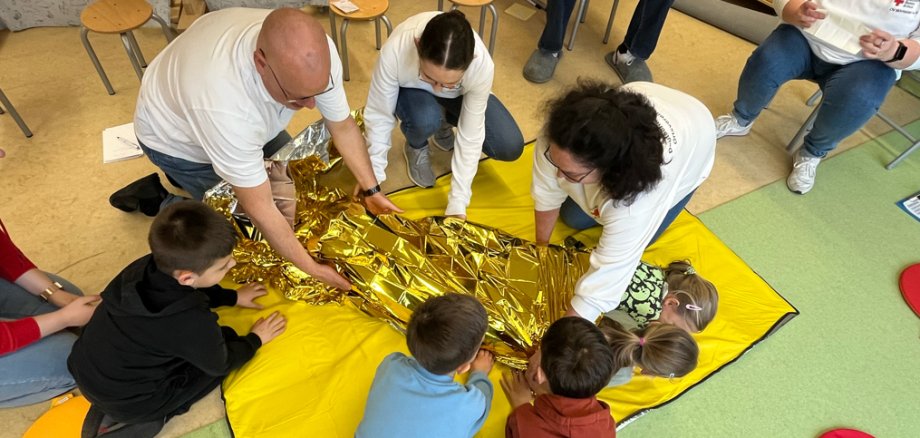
x,y
420,114
641,35
573,216
198,178
38,371
852,92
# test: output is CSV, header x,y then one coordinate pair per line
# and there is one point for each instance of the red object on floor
x,y
845,433
910,287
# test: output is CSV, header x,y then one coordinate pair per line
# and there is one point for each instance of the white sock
x,y
626,57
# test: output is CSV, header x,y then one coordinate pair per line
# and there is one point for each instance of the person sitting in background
x,y
35,308
854,83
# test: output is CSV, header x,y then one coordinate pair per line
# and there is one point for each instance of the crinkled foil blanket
x,y
395,263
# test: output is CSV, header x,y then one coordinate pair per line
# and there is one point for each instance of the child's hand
x,y
246,295
483,362
517,389
270,327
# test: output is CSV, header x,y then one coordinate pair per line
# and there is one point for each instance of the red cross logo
x,y
898,2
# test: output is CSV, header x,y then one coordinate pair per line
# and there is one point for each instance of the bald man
x,y
215,102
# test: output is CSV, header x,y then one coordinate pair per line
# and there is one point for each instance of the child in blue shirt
x,y
417,396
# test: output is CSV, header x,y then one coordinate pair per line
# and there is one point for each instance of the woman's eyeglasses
x,y
576,178
452,87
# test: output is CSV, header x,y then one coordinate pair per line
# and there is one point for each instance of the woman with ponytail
x,y
434,74
627,159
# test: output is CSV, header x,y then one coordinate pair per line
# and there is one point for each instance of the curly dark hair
x,y
612,130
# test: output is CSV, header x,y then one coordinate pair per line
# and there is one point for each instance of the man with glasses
x,y
215,103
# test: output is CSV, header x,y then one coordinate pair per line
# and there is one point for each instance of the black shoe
x,y
145,194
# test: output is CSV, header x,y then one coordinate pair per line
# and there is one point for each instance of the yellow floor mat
x,y
314,379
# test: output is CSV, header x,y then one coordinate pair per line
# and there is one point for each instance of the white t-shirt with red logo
x,y
689,152
900,18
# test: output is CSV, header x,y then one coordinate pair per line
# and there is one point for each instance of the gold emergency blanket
x,y
395,263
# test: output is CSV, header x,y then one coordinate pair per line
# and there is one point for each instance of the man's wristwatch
x,y
899,54
371,191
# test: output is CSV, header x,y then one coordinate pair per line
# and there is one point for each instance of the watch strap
x,y
372,191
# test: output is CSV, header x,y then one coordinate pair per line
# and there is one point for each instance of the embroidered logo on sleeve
x,y
911,7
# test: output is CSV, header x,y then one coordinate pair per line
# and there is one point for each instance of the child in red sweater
x,y
574,363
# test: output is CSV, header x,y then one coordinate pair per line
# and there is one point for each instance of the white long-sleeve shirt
x,y
900,18
689,151
398,66
202,99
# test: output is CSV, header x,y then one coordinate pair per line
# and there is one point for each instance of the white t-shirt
x,y
689,151
202,99
398,66
900,18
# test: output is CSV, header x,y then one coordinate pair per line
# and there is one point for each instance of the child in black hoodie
x,y
153,347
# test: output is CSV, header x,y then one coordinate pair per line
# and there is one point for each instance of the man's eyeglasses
x,y
452,87
571,177
283,91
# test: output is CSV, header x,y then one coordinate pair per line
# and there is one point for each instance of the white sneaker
x,y
729,125
802,177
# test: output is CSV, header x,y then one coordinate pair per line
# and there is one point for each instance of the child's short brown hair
x,y
576,358
445,332
190,236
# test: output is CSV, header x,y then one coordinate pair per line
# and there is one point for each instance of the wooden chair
x,y
121,17
483,5
368,10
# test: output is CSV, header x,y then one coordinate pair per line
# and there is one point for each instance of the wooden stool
x,y
368,10
121,17
482,4
5,103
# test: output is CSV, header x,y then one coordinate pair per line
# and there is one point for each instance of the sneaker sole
x,y
409,173
535,80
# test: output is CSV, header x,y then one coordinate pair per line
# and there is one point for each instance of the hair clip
x,y
693,307
690,271
641,342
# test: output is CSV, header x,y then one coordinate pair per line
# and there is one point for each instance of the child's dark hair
x,y
448,41
659,349
190,236
697,297
445,332
612,130
576,358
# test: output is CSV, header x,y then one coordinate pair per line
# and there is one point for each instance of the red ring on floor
x,y
910,287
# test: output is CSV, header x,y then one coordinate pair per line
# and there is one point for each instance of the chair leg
x,y
584,11
95,60
12,110
386,21
137,49
613,13
579,14
903,155
377,31
494,32
903,132
167,30
345,74
440,5
332,28
799,137
131,55
482,20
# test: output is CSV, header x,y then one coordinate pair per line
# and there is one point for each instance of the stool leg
x,y
9,107
167,30
494,32
131,55
377,31
333,29
345,74
95,60
581,12
386,21
613,13
482,19
137,49
894,162
584,11
440,5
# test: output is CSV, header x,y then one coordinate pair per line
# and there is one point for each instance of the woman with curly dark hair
x,y
626,158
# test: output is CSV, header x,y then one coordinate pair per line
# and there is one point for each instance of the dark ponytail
x,y
448,41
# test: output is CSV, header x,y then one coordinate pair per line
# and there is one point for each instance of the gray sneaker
x,y
632,71
541,66
419,166
444,138
804,167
